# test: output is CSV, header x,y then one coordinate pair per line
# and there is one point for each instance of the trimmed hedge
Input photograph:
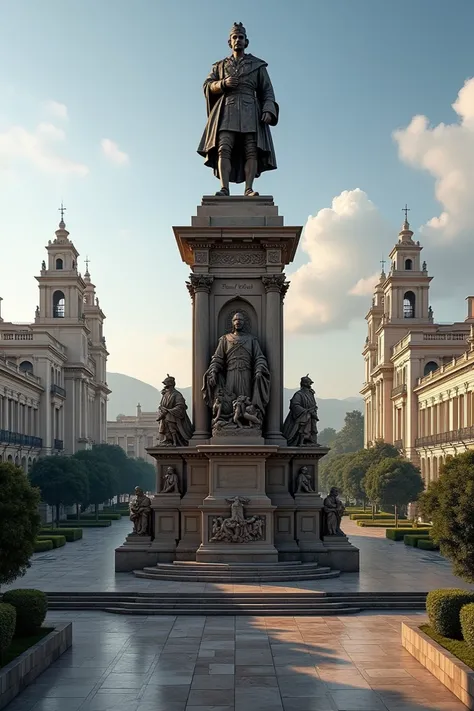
x,y
91,517
7,626
444,607
57,541
467,623
45,544
31,607
398,534
427,544
86,524
412,539
70,534
377,517
384,523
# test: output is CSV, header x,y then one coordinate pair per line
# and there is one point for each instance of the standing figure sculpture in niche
x,y
241,107
300,427
140,510
175,428
333,509
238,366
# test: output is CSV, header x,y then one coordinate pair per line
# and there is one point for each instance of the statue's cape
x,y
251,65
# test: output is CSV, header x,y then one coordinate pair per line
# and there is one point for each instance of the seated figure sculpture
x,y
303,482
140,510
170,482
333,510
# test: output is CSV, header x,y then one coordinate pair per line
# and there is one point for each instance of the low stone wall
x,y
447,668
17,675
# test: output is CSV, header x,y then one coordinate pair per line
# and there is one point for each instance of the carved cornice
x,y
274,282
199,282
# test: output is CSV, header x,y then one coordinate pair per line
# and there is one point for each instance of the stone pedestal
x,y
134,554
165,508
237,471
340,554
196,483
308,526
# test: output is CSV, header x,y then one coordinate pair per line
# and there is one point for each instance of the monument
x,y
240,451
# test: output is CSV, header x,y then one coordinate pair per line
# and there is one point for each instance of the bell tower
x,y
406,289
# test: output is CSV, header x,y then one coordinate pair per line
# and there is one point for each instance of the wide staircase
x,y
252,573
236,603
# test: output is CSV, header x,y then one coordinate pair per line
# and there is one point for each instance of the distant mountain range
x,y
127,392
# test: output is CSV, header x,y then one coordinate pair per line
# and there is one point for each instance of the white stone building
x,y
134,433
406,352
53,389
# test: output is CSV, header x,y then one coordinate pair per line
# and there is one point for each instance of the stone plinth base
x,y
340,554
134,553
166,526
308,526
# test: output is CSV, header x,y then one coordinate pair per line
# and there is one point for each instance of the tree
x,y
353,472
145,474
331,473
114,455
102,481
61,480
351,437
19,522
327,436
449,505
393,482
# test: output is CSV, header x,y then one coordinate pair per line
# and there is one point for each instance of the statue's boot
x,y
250,192
223,192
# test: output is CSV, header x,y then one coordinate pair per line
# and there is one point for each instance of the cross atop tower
x,y
406,210
62,210
382,262
87,260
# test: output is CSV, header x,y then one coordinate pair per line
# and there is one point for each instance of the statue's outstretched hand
x,y
211,378
267,117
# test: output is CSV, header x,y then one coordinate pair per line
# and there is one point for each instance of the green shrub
x,y
384,523
427,544
31,607
91,517
7,626
86,524
467,623
43,545
444,606
70,534
412,539
57,541
377,517
398,534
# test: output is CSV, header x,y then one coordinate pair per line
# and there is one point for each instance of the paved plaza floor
x,y
353,663
169,663
88,565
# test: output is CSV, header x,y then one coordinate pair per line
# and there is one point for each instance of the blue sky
x,y
346,75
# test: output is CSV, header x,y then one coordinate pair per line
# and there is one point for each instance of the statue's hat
x,y
238,27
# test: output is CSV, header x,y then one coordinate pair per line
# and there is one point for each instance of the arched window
x,y
26,366
59,303
409,305
59,263
430,367
408,264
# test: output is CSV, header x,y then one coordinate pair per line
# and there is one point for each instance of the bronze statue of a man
x,y
241,107
238,366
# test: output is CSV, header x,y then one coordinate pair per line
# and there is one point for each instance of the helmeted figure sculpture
x,y
333,509
241,107
300,427
175,428
140,510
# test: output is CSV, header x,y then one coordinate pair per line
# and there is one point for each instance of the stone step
x,y
289,604
236,566
156,574
277,612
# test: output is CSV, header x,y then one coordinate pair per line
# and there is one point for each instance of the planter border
x,y
23,670
448,669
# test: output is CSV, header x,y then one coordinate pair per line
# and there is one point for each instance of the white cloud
x,y
56,110
343,242
446,151
38,148
112,152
